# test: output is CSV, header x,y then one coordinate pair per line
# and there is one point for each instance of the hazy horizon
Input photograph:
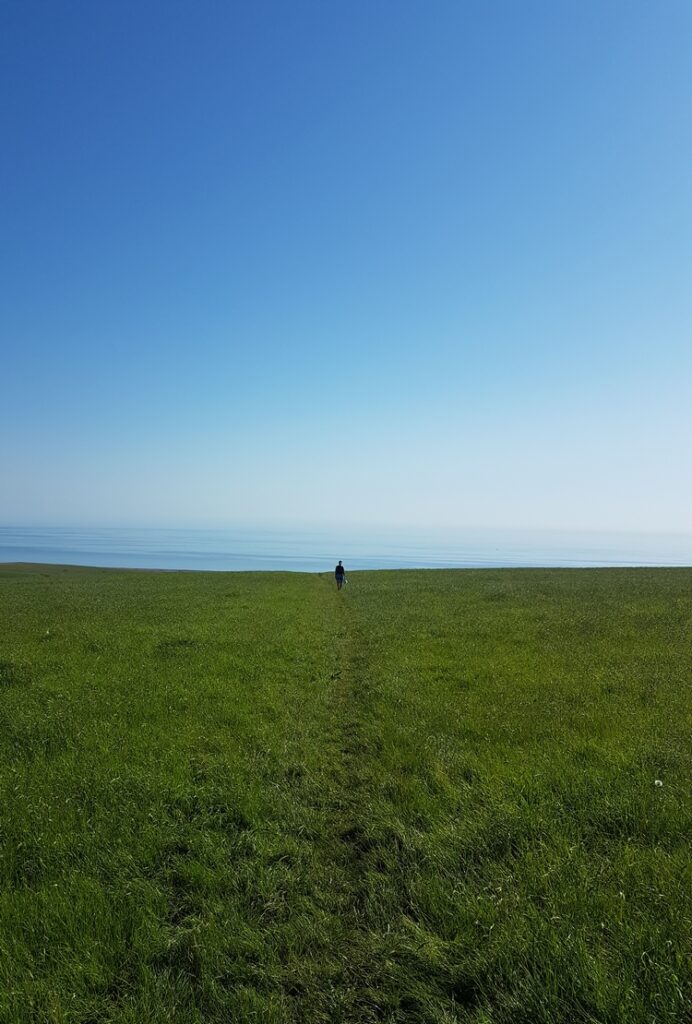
x,y
326,526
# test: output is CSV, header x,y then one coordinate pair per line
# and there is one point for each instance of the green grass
x,y
428,798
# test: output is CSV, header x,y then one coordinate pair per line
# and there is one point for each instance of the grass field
x,y
432,797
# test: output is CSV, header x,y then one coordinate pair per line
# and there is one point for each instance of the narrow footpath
x,y
353,758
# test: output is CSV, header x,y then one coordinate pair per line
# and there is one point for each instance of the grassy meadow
x,y
433,797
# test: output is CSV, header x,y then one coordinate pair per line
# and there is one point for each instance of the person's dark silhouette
x,y
340,576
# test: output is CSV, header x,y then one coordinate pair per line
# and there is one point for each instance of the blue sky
x,y
379,262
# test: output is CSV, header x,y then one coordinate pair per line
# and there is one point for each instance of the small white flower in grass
x,y
657,782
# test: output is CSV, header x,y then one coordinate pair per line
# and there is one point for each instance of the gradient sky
x,y
374,262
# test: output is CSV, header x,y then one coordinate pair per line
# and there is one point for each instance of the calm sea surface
x,y
319,550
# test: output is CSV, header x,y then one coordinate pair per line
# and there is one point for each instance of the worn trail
x,y
348,841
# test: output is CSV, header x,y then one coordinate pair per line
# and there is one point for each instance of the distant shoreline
x,y
71,567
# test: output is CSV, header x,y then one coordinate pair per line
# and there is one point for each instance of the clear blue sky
x,y
375,262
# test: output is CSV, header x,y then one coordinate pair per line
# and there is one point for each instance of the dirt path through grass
x,y
350,776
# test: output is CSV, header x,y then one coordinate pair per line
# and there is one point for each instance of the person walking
x,y
340,576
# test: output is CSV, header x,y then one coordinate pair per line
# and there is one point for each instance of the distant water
x,y
319,550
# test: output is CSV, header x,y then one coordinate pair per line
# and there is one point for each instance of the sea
x,y
318,549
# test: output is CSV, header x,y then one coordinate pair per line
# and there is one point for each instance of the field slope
x,y
436,796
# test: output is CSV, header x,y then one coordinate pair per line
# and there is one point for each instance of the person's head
x,y
339,561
